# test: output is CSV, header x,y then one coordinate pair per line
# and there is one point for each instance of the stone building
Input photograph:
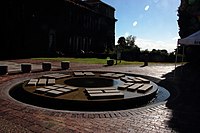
x,y
43,27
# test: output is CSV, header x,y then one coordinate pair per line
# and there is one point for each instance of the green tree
x,y
122,41
130,40
189,23
189,17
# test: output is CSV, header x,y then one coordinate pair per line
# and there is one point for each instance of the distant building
x,y
43,27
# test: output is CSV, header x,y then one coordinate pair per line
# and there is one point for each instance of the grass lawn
x,y
88,60
97,61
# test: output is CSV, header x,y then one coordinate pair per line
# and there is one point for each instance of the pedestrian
x,y
146,58
119,50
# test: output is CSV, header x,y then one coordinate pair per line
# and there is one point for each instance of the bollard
x,y
3,70
46,66
65,65
26,67
110,62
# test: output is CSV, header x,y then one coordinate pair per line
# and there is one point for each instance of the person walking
x,y
119,49
118,53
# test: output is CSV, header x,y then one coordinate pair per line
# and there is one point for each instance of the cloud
x,y
126,34
146,8
176,38
144,44
155,1
135,23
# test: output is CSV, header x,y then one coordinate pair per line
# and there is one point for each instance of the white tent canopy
x,y
193,39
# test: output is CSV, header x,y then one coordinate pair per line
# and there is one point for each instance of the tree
x,y
130,40
189,17
189,22
122,41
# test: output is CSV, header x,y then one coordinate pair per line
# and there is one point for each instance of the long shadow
x,y
184,101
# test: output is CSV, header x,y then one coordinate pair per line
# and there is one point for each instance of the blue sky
x,y
153,22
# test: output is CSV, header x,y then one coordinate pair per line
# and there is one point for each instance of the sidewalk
x,y
179,114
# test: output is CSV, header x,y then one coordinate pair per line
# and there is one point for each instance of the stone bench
x,y
72,88
56,75
145,88
41,90
124,86
51,82
32,82
134,87
84,74
42,82
3,70
54,93
143,80
51,87
26,67
95,91
111,91
127,80
101,89
64,90
106,95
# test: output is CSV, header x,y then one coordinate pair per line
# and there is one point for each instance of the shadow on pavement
x,y
184,101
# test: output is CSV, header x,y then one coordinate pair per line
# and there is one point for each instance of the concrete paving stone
x,y
143,80
59,85
8,117
79,74
124,114
41,90
63,90
144,88
89,74
107,115
42,82
51,87
123,87
106,95
94,91
21,122
31,83
48,131
102,115
91,116
134,87
127,80
71,88
57,114
103,88
51,82
9,127
36,128
54,93
117,114
111,91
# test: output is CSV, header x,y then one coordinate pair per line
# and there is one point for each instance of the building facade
x,y
42,28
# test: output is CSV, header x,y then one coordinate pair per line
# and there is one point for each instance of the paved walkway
x,y
179,114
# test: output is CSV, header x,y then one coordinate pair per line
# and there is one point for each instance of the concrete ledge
x,y
26,67
3,70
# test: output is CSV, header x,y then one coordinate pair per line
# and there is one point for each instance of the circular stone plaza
x,y
88,98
